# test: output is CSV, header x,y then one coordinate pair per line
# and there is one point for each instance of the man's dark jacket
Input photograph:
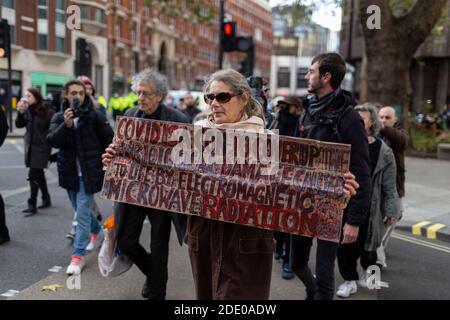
x,y
87,142
179,220
398,140
3,126
350,130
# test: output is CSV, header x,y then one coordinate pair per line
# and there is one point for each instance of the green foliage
x,y
426,140
423,140
203,10
401,7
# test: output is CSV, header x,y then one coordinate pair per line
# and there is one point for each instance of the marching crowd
x,y
229,261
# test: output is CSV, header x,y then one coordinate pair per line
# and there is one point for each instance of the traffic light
x,y
245,44
4,38
228,42
83,58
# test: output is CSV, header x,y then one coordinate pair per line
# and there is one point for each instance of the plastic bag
x,y
111,262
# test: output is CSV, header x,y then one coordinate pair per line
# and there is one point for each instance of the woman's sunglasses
x,y
222,97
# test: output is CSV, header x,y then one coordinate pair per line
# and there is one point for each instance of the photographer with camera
x,y
259,88
82,134
35,116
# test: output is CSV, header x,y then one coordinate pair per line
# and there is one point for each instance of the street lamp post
x,y
221,19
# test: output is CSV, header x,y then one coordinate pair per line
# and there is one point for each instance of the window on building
x,y
60,44
99,78
147,42
12,34
117,2
117,29
133,5
43,42
85,12
99,17
136,62
117,61
42,8
60,11
8,4
301,81
283,78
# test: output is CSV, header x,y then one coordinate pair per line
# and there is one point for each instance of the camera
x,y
257,86
76,107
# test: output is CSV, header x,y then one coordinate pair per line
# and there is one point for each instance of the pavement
x,y
427,201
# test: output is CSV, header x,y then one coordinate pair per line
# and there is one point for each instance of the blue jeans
x,y
87,222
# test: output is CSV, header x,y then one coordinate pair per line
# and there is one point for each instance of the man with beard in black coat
x,y
82,134
329,116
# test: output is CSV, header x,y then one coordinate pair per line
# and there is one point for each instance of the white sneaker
x,y
76,265
363,279
346,289
91,244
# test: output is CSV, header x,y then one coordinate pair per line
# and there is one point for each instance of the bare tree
x,y
390,49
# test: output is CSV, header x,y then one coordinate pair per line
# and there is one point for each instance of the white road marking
x,y
11,193
55,269
421,242
19,147
13,167
9,293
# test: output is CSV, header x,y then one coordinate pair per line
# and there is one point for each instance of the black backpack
x,y
325,121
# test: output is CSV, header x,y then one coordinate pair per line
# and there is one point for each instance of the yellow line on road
x,y
416,229
431,231
421,242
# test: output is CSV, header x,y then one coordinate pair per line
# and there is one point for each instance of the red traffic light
x,y
228,29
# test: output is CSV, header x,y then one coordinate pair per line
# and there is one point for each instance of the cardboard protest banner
x,y
255,179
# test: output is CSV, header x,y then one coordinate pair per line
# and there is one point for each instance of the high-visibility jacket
x,y
131,99
115,104
102,101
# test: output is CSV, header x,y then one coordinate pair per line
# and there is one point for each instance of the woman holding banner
x,y
232,261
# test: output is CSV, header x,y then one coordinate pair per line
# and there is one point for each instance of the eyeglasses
x,y
222,97
146,94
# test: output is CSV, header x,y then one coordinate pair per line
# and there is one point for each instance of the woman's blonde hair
x,y
238,85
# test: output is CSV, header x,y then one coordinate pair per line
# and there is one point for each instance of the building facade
x,y
253,18
118,38
41,48
294,46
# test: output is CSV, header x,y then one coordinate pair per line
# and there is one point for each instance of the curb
x,y
426,228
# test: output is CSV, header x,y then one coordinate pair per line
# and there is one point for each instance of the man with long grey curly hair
x,y
151,88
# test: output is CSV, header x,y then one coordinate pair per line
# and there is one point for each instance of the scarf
x,y
246,123
317,105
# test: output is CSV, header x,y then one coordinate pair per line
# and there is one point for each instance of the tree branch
x,y
420,20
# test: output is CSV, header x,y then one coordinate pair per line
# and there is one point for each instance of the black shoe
x,y
45,204
147,292
146,289
4,239
309,297
31,210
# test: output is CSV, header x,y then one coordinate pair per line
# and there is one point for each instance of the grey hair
x,y
151,76
238,85
372,109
